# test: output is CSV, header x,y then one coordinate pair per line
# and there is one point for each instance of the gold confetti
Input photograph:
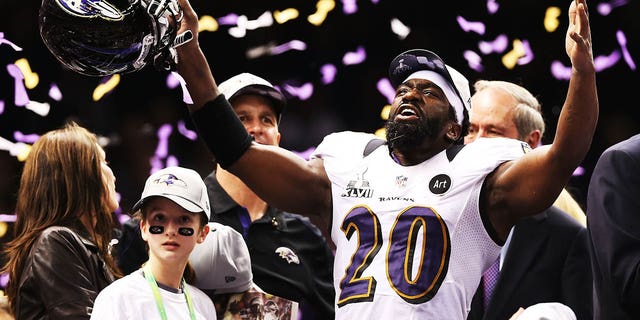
x,y
207,23
285,15
551,22
106,87
322,9
31,78
510,59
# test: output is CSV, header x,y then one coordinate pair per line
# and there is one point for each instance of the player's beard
x,y
401,135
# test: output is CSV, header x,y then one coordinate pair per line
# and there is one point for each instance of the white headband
x,y
446,87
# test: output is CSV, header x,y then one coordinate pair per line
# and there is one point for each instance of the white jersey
x,y
130,297
410,241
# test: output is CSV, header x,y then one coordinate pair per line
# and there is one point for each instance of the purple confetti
x,y
1,106
305,154
622,40
492,6
349,6
163,140
303,92
578,172
190,134
603,62
172,81
172,161
291,45
386,89
4,280
560,71
21,97
528,53
54,92
329,72
356,57
26,138
473,60
156,164
498,45
467,26
228,20
7,218
606,8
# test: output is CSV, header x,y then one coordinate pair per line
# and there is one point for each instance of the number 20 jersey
x,y
410,241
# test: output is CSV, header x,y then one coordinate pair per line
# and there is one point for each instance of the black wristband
x,y
222,131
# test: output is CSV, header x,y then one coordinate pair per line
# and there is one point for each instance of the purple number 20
x,y
412,286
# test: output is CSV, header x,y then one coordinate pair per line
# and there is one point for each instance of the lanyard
x,y
156,295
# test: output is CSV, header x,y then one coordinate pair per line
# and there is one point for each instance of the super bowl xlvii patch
x,y
440,184
288,255
91,9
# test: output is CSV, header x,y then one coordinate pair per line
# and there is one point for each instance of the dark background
x,y
130,115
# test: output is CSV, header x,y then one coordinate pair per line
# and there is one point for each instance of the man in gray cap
x,y
290,257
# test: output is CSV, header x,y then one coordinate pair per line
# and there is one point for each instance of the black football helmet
x,y
104,37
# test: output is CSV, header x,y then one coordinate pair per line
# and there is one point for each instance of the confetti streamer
x,y
106,87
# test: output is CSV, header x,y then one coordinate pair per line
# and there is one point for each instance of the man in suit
x,y
613,206
545,257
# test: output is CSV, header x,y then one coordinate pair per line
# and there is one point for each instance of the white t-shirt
x,y
410,242
131,297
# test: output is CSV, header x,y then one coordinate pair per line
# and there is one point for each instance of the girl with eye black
x,y
174,211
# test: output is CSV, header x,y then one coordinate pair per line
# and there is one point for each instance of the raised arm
x,y
531,184
278,176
